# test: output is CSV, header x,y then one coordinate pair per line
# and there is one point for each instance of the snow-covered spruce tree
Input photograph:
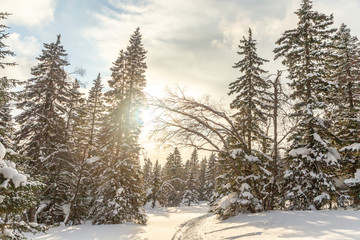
x,y
251,102
78,131
17,194
6,126
147,177
191,190
86,134
173,179
43,131
74,110
211,173
201,180
119,194
311,159
95,111
191,193
345,102
244,181
155,195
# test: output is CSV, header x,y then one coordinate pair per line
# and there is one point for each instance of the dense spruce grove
x,y
66,158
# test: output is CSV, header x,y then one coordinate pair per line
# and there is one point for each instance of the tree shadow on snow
x,y
303,224
245,235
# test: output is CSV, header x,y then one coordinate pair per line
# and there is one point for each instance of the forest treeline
x,y
67,158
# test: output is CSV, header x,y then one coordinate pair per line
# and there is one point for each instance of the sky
x,y
191,44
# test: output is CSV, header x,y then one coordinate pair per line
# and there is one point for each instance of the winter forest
x,y
288,141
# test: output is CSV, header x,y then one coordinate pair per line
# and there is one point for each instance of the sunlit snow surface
x,y
164,223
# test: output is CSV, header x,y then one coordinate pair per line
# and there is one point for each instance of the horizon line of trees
x,y
79,159
179,182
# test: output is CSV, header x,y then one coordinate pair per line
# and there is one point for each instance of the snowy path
x,y
192,229
162,225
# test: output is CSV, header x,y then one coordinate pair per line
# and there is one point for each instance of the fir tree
x,y
250,89
147,177
345,99
119,193
191,193
6,126
210,176
312,161
201,180
74,110
43,131
173,177
86,135
95,108
242,184
155,196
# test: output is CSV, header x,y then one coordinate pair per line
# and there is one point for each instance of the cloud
x,y
29,13
189,42
177,34
194,43
25,49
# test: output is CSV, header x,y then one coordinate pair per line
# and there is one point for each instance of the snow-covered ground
x,y
306,225
193,223
162,224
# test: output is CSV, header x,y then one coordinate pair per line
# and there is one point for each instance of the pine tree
x,y
43,131
155,196
74,109
86,134
211,173
312,161
147,177
119,194
242,184
201,181
345,99
250,89
191,193
95,108
173,177
6,126
17,190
